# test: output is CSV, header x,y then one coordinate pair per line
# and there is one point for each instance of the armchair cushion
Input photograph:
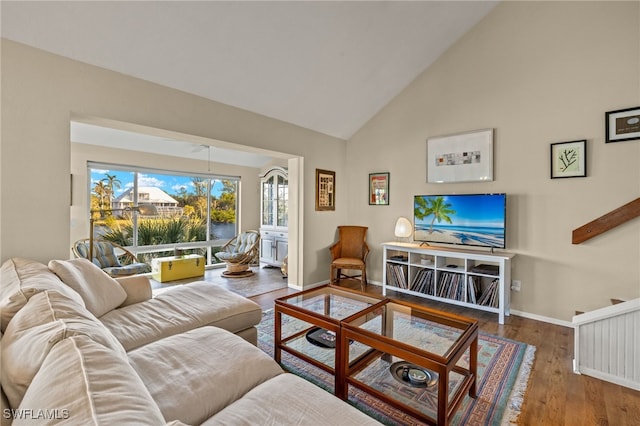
x,y
100,292
106,258
103,254
239,247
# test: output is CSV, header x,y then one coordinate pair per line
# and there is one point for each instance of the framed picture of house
x,y
325,190
461,157
378,189
569,159
622,125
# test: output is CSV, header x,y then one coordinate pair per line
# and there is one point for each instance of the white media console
x,y
476,279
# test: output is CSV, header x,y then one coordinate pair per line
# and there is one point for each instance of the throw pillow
x,y
46,319
21,279
100,292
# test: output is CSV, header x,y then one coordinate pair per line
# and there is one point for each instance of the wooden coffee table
x,y
308,324
418,348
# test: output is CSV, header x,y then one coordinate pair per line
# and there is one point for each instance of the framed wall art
x,y
622,125
378,189
569,159
461,157
325,190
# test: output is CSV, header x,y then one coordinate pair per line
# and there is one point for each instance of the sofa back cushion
x,y
21,279
46,320
100,292
90,385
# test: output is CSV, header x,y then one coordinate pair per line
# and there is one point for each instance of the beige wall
x,y
41,92
537,73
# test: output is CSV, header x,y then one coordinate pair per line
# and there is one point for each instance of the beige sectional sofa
x,y
79,347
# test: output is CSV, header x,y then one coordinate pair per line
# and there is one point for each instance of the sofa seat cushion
x,y
100,292
180,309
193,375
88,384
45,320
289,399
21,279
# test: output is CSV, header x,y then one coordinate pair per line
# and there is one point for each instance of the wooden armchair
x,y
115,260
350,252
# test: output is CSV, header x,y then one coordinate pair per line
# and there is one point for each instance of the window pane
x,y
184,206
223,209
109,222
283,195
267,202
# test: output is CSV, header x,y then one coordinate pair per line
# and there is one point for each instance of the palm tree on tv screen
x,y
435,206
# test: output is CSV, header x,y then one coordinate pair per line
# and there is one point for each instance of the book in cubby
x,y
473,289
397,275
423,281
489,295
451,286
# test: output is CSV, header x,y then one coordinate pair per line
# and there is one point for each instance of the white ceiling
x,y
329,66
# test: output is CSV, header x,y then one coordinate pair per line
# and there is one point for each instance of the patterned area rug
x,y
503,371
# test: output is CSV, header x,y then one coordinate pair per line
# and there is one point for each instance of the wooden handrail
x,y
608,221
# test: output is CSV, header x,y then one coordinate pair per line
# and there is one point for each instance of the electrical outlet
x,y
515,285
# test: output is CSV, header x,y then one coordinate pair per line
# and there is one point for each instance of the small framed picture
x,y
622,125
325,190
569,159
378,189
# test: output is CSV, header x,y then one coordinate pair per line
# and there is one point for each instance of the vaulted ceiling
x,y
329,66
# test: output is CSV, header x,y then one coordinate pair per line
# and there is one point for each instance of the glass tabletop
x,y
330,301
427,330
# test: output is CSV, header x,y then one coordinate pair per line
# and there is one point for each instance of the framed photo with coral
x,y
569,159
622,125
378,189
325,190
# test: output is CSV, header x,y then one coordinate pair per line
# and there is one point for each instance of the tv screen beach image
x,y
468,219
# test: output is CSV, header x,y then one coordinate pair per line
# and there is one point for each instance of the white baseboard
x,y
542,318
523,314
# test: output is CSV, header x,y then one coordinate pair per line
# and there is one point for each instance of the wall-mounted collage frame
x,y
461,157
325,190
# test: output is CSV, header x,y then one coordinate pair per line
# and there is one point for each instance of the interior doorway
x,y
94,138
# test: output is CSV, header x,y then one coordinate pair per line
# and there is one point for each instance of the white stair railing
x,y
607,344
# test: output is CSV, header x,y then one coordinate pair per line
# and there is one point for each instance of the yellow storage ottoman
x,y
177,267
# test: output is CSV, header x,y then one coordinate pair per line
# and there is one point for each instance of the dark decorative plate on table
x,y
413,375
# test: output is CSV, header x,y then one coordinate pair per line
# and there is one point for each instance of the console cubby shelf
x,y
472,278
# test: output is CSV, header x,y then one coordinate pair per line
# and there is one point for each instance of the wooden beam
x,y
608,221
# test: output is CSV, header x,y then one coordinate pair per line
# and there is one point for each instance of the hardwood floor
x,y
555,395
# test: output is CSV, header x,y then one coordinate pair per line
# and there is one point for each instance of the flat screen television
x,y
465,219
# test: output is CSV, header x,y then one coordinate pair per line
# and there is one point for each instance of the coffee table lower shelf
x,y
359,371
446,382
